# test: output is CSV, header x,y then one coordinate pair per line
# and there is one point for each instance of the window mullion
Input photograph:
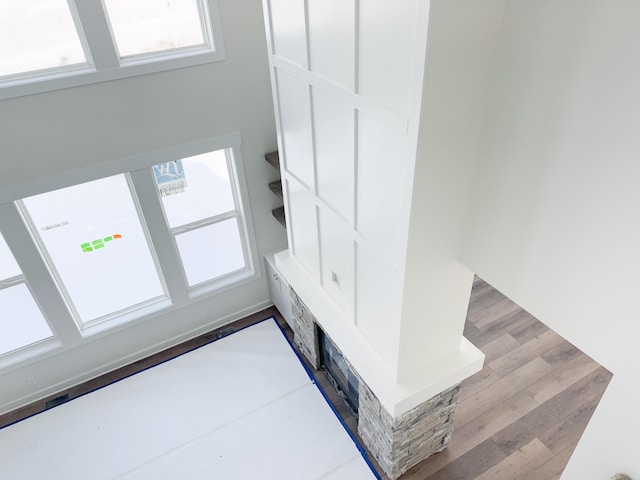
x,y
204,223
96,33
205,23
41,282
12,281
164,243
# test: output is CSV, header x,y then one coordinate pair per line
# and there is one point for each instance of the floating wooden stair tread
x,y
274,159
278,213
276,188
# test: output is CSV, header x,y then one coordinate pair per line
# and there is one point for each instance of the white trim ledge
x,y
396,397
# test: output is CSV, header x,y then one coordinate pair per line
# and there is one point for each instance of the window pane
x,y
207,189
8,266
21,322
37,34
144,26
93,235
210,252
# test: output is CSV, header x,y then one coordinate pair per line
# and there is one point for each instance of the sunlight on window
x,y
36,35
147,26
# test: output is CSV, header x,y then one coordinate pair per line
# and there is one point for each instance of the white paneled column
x,y
302,225
294,110
332,40
333,127
386,46
376,186
337,259
288,30
460,57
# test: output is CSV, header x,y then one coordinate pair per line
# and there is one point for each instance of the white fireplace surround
x,y
396,397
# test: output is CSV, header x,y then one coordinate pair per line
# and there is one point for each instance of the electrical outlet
x,y
335,278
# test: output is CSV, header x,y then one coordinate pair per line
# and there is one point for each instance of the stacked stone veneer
x,y
396,443
305,331
400,443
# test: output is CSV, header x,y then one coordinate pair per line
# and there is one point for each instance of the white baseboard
x,y
129,359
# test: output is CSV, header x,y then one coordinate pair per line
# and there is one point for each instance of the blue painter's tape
x,y
359,446
313,379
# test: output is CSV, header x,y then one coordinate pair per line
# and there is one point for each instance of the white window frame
x,y
41,346
49,292
236,213
36,348
103,60
119,316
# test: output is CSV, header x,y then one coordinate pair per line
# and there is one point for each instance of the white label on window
x,y
54,225
170,178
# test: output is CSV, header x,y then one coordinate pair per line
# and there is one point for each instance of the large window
x,y
152,26
22,323
37,35
51,44
122,247
94,242
203,216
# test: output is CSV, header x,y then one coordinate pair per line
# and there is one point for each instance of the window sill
x,y
139,313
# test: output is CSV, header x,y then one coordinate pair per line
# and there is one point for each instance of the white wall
x,y
49,137
556,223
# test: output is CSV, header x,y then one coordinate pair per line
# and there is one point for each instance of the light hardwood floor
x,y
519,418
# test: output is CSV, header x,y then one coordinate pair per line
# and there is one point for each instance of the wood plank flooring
x,y
519,418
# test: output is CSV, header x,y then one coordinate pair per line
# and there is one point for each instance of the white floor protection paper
x,y
242,407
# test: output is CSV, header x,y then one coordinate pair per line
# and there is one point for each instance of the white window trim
x,y
103,62
237,214
41,280
232,140
7,213
121,316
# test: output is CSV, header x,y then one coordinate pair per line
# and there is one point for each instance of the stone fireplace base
x,y
396,443
400,443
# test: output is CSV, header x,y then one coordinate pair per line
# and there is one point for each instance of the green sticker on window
x,y
99,243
